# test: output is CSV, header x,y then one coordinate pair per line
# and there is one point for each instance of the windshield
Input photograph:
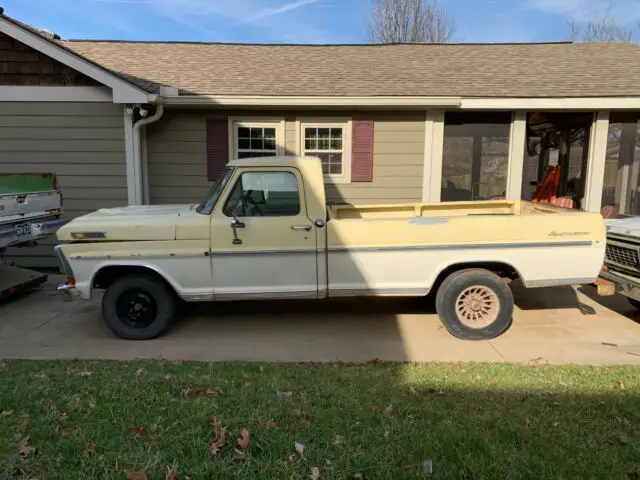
x,y
210,200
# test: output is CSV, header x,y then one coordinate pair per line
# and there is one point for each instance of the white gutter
x,y
140,164
312,101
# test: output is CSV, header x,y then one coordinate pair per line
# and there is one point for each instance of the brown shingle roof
x,y
467,70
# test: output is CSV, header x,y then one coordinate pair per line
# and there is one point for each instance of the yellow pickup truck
x,y
264,231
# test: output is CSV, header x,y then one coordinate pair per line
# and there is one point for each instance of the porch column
x,y
517,143
596,163
433,148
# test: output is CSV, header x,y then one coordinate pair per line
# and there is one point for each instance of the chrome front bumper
x,y
624,285
64,289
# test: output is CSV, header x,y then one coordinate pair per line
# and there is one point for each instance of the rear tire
x,y
475,304
139,307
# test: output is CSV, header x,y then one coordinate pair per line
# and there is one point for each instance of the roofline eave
x,y
123,91
407,102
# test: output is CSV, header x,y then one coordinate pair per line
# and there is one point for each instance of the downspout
x,y
137,150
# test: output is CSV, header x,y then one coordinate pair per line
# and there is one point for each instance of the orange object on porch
x,y
547,191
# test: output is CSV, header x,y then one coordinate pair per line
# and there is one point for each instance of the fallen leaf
x,y
172,473
184,394
139,432
387,410
338,440
199,394
315,473
624,439
24,449
239,454
6,413
65,432
428,467
620,385
217,441
23,424
86,373
89,449
213,392
284,394
243,439
139,372
167,376
271,424
623,421
132,475
635,475
300,448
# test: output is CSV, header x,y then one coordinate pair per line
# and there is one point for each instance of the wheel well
x,y
503,270
107,275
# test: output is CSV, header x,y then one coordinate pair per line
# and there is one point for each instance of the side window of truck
x,y
264,194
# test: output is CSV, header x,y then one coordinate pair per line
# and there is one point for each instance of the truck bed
x,y
545,245
447,209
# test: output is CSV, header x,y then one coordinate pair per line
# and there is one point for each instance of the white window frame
x,y
346,125
257,122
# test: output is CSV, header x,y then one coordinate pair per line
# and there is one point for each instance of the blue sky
x,y
301,21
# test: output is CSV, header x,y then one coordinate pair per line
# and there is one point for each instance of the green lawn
x,y
93,420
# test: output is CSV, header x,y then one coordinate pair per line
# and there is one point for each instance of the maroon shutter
x,y
217,146
362,152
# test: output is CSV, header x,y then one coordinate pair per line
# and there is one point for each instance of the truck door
x,y
263,245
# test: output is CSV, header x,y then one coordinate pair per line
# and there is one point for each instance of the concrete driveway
x,y
555,325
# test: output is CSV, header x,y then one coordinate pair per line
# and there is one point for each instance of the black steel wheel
x,y
139,307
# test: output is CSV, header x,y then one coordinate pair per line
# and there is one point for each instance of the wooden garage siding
x,y
177,156
83,144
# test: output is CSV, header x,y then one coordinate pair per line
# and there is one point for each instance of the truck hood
x,y
624,226
154,222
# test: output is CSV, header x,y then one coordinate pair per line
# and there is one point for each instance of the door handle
x,y
306,228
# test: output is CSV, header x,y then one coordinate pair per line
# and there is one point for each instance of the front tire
x,y
475,304
139,307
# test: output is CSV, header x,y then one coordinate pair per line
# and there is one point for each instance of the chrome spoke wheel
x,y
477,306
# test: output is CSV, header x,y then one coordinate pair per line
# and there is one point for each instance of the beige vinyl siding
x,y
83,144
398,156
178,166
177,158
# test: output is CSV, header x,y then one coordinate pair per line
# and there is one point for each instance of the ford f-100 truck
x,y
264,231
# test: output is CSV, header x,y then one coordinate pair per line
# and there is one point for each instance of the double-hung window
x,y
331,142
256,138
